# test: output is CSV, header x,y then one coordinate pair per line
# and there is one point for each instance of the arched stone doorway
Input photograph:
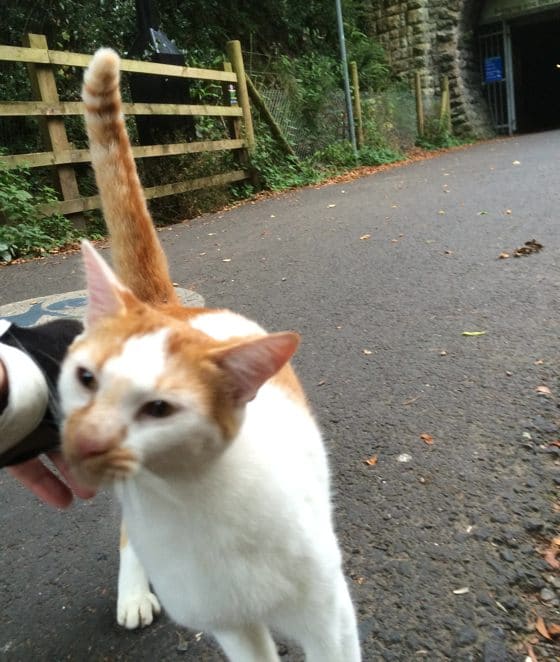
x,y
448,37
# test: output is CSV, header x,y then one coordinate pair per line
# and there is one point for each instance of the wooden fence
x,y
61,155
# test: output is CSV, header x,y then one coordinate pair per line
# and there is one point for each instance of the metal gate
x,y
496,64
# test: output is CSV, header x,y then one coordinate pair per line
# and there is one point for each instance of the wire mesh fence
x,y
389,116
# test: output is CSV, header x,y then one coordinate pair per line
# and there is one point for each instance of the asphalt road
x,y
381,275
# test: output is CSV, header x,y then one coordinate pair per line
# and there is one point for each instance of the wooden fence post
x,y
419,104
234,123
43,84
357,104
236,59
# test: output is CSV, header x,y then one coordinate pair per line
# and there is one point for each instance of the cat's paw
x,y
137,609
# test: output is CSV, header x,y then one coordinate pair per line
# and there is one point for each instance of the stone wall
x,y
436,37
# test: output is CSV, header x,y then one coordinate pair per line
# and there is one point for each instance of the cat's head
x,y
141,387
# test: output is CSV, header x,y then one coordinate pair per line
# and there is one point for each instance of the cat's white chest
x,y
245,538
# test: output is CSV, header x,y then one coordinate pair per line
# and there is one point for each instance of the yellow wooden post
x,y
419,103
357,104
54,134
236,59
234,123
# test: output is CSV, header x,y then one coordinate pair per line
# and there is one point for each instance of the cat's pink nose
x,y
88,446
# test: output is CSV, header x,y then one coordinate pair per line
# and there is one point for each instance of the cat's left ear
x,y
250,364
103,287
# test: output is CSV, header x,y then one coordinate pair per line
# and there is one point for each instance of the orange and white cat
x,y
198,420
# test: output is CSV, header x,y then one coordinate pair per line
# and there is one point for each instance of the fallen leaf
x,y
482,213
532,657
367,352
412,400
365,236
528,248
543,390
500,606
474,333
557,444
503,256
461,591
360,580
372,461
556,541
550,557
554,629
541,628
427,438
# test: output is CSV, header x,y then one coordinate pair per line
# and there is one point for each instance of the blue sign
x,y
493,69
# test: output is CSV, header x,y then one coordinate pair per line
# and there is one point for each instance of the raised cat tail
x,y
138,257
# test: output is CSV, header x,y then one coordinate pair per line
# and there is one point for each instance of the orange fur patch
x,y
123,542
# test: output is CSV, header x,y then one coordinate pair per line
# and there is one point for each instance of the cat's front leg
x,y
251,643
136,604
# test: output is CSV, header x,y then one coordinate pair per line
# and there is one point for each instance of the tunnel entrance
x,y
520,64
536,72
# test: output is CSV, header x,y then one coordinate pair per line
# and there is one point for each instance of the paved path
x,y
384,360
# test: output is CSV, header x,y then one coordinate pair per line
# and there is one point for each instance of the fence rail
x,y
60,153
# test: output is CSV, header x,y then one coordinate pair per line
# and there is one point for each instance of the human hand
x,y
45,484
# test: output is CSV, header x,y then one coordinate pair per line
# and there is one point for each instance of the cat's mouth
x,y
110,466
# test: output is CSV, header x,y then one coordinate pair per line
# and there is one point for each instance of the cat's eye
x,y
86,378
156,409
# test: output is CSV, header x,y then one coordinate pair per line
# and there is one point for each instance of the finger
x,y
79,490
42,482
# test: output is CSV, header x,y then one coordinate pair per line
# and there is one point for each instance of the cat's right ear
x,y
103,287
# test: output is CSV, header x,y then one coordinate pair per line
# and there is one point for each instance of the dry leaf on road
x,y
531,653
427,438
372,461
543,390
540,627
365,236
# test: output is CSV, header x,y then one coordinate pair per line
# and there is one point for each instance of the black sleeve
x,y
46,344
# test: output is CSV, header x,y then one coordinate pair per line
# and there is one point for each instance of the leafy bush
x,y
24,230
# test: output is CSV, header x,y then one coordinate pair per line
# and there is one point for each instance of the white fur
x,y
136,604
224,324
244,541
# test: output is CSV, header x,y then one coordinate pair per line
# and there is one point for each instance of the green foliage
x,y
277,170
438,136
340,155
24,230
372,156
374,71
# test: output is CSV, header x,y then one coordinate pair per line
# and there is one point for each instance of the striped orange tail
x,y
138,257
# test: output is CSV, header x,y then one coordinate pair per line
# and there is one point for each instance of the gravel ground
x,y
382,275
